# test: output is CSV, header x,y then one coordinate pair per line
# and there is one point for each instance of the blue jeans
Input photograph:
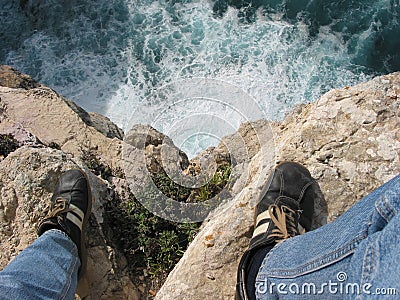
x,y
47,269
355,257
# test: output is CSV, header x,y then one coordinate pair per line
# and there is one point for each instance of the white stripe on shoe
x,y
262,216
264,227
77,211
76,216
75,220
261,229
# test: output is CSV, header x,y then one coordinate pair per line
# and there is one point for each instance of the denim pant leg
x,y
331,262
375,265
47,269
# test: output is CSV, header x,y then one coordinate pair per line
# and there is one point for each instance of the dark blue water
x,y
110,56
369,29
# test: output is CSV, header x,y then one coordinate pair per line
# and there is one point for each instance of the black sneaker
x,y
285,210
287,207
69,212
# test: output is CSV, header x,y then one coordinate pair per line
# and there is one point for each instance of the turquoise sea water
x,y
112,57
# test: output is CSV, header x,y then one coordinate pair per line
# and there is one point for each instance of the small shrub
x,y
215,185
92,161
54,145
153,245
170,188
8,144
156,244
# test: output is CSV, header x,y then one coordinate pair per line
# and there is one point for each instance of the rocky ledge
x,y
349,139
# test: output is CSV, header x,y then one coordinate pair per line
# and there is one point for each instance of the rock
x,y
97,121
11,78
158,148
349,139
247,141
149,153
41,115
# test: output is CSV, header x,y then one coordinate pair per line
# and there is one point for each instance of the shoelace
x,y
284,219
58,207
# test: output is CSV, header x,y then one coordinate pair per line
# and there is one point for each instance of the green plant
x,y
216,184
162,242
93,162
8,144
152,244
169,188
